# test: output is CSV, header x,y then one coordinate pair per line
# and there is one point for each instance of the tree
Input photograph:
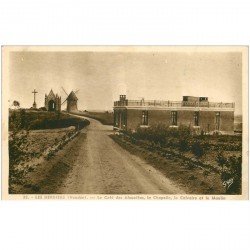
x,y
16,103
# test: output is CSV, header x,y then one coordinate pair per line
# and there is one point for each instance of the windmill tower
x,y
71,101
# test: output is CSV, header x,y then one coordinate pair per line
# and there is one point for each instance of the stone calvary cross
x,y
34,104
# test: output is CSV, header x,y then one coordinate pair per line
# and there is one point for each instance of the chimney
x,y
122,97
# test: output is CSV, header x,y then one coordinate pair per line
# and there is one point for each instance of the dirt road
x,y
97,165
92,163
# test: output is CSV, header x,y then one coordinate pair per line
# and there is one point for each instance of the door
x,y
217,121
52,105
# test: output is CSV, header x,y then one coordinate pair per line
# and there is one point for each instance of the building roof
x,y
51,95
198,104
72,96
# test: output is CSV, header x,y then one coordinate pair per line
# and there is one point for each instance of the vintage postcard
x,y
125,122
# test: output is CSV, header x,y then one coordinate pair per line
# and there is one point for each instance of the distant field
x,y
106,118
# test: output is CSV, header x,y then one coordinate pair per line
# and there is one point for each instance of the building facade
x,y
194,112
52,102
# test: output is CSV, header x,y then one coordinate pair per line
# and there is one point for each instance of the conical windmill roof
x,y
72,96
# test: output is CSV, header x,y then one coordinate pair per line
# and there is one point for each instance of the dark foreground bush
x,y
231,173
197,149
183,144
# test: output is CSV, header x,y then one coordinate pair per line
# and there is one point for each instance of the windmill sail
x,y
71,100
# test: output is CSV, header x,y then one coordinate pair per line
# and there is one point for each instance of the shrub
x,y
43,109
183,145
58,123
231,173
23,119
221,160
197,149
50,155
17,154
184,131
163,135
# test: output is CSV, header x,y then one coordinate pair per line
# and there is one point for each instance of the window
x,y
208,127
174,118
120,120
196,118
144,117
123,119
217,121
116,118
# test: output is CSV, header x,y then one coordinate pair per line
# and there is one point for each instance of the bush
x,y
58,123
183,145
197,149
231,173
22,119
43,109
184,139
17,154
221,160
163,135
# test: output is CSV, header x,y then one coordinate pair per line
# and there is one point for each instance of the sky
x,y
102,76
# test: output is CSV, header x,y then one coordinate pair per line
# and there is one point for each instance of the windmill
x,y
71,100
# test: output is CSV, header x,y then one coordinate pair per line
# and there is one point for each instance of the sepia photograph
x,y
124,125
125,122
